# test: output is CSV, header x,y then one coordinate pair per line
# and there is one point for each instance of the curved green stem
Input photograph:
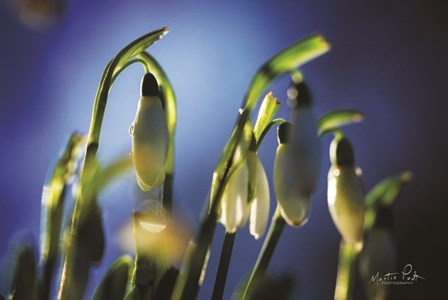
x,y
114,67
129,63
277,121
166,88
223,267
269,245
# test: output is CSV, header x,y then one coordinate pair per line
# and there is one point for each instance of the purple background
x,y
389,60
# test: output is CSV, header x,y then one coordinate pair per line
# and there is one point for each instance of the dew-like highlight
x,y
153,217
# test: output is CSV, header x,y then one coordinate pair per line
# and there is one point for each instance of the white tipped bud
x,y
150,139
297,165
346,203
293,200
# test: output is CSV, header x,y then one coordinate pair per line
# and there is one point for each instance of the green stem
x,y
114,67
269,245
266,130
347,272
223,268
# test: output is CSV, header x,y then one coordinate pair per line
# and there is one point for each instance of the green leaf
x,y
387,190
287,60
100,177
384,194
24,280
91,233
114,283
139,45
53,206
338,118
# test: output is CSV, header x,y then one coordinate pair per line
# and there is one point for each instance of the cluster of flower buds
x,y
150,137
297,163
296,173
345,192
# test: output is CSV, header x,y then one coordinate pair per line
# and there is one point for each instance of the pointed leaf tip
x,y
333,120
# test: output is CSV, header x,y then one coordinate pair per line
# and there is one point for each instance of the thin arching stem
x,y
114,67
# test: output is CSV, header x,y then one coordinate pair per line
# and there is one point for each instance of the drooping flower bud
x,y
297,163
345,192
304,138
234,202
150,137
260,202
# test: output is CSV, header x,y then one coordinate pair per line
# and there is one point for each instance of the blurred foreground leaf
x,y
114,283
53,197
166,284
387,190
384,194
266,288
24,282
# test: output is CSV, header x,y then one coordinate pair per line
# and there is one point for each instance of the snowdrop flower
x,y
297,162
345,192
246,196
150,136
260,202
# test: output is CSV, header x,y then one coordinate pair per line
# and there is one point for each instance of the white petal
x,y
150,140
259,209
234,199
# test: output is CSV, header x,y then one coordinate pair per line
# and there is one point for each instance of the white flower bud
x,y
259,208
296,167
345,193
150,137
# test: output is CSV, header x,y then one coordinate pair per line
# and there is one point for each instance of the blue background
x,y
388,59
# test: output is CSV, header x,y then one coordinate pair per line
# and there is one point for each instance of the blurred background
x,y
388,59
